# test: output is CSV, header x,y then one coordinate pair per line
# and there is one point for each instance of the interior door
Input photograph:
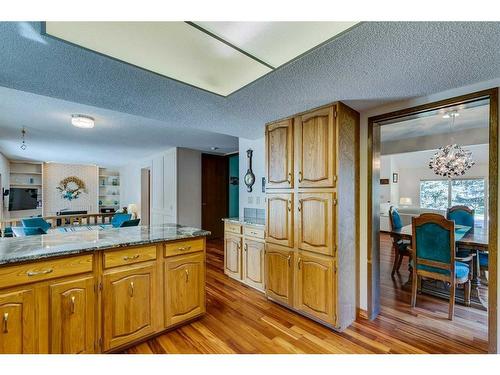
x,y
316,148
279,223
215,193
316,222
232,256
279,273
17,322
129,298
253,263
72,316
184,288
279,154
315,289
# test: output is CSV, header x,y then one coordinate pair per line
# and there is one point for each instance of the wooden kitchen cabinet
x,y
316,148
253,263
279,151
232,256
279,273
129,304
185,295
72,316
279,222
316,222
17,319
315,289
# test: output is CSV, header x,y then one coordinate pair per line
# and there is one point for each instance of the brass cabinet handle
x,y
187,275
239,245
42,272
72,304
131,289
6,322
289,179
184,248
299,206
299,262
246,247
289,205
300,176
126,257
289,260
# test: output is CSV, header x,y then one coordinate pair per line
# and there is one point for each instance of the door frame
x,y
373,201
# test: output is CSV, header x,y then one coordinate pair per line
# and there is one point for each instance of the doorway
x,y
214,193
145,195
489,212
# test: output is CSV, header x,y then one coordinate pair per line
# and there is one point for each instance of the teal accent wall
x,y
234,195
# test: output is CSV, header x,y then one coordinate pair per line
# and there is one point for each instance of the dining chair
x,y
433,243
118,219
36,222
27,231
130,223
400,246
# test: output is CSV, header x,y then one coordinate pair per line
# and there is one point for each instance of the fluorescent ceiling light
x,y
82,121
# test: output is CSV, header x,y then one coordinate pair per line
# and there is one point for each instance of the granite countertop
x,y
20,249
246,220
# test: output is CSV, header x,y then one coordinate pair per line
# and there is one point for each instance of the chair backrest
x,y
118,219
130,223
35,222
461,215
394,218
27,231
433,242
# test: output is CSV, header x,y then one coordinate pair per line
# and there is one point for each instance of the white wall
x,y
364,175
189,186
5,172
255,199
53,173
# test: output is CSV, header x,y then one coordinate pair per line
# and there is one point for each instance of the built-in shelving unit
x,y
27,175
109,189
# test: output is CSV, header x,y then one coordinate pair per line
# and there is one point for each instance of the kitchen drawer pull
x,y
131,257
131,289
72,304
187,275
6,322
184,248
42,272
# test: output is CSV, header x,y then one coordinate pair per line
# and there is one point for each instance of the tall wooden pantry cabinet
x,y
311,241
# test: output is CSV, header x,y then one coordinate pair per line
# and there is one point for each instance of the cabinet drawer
x,y
253,232
46,270
183,247
232,228
129,256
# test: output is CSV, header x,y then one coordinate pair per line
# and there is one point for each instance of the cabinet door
x,y
316,222
129,300
279,154
72,316
279,223
316,148
232,256
279,274
253,263
315,291
184,288
17,322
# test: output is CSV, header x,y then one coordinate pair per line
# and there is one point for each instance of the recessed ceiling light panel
x,y
82,121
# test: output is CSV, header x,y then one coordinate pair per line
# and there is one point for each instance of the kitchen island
x,y
99,291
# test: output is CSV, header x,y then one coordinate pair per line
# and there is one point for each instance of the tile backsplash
x,y
257,213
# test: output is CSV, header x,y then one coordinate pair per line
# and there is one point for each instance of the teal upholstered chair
x,y
433,243
130,223
118,219
27,231
34,222
400,246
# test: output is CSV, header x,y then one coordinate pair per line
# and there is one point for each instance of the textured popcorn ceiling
x,y
373,63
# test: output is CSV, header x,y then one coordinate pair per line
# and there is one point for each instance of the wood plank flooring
x,y
241,320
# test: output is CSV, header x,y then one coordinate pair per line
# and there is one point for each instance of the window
x,y
441,194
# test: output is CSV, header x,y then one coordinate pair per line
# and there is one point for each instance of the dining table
x,y
474,239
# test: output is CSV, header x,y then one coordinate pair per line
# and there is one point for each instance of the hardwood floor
x,y
241,320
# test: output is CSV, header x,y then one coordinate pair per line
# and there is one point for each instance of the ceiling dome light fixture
x,y
451,160
82,121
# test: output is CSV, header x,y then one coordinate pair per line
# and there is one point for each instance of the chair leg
x,y
396,261
414,289
467,291
451,308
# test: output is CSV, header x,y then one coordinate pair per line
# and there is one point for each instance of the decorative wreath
x,y
71,188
